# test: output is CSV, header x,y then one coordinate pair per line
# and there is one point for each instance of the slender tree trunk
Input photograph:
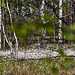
x,y
11,23
70,18
42,10
16,45
60,25
3,35
9,43
0,24
43,35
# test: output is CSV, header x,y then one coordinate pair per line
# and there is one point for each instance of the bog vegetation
x,y
44,24
49,66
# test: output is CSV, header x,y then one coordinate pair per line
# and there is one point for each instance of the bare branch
x,y
48,3
34,7
68,14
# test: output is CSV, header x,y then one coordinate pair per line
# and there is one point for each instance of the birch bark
x,y
0,24
43,35
3,35
42,10
9,43
60,25
11,23
16,45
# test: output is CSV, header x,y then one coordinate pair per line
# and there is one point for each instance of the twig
x,y
48,3
34,7
68,14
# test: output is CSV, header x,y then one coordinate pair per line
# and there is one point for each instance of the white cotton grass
x,y
37,54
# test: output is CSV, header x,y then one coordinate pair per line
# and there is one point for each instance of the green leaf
x,y
68,60
61,52
50,29
40,30
70,36
3,5
72,27
55,70
48,17
49,60
62,66
23,31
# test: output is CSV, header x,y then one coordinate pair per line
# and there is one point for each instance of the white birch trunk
x,y
60,25
3,42
43,35
3,35
42,10
11,23
0,24
16,45
9,43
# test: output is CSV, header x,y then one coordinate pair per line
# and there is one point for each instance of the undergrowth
x,y
61,65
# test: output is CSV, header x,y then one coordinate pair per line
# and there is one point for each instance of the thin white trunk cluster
x,y
16,45
5,37
0,24
60,24
9,43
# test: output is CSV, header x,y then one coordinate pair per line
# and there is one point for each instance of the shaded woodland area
x,y
37,37
35,17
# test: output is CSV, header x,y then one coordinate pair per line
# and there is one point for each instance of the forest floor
x,y
56,62
35,52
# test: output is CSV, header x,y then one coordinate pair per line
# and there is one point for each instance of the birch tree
x,y
0,24
16,45
3,22
43,35
60,25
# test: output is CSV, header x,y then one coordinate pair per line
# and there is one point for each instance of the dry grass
x,y
40,67
50,66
